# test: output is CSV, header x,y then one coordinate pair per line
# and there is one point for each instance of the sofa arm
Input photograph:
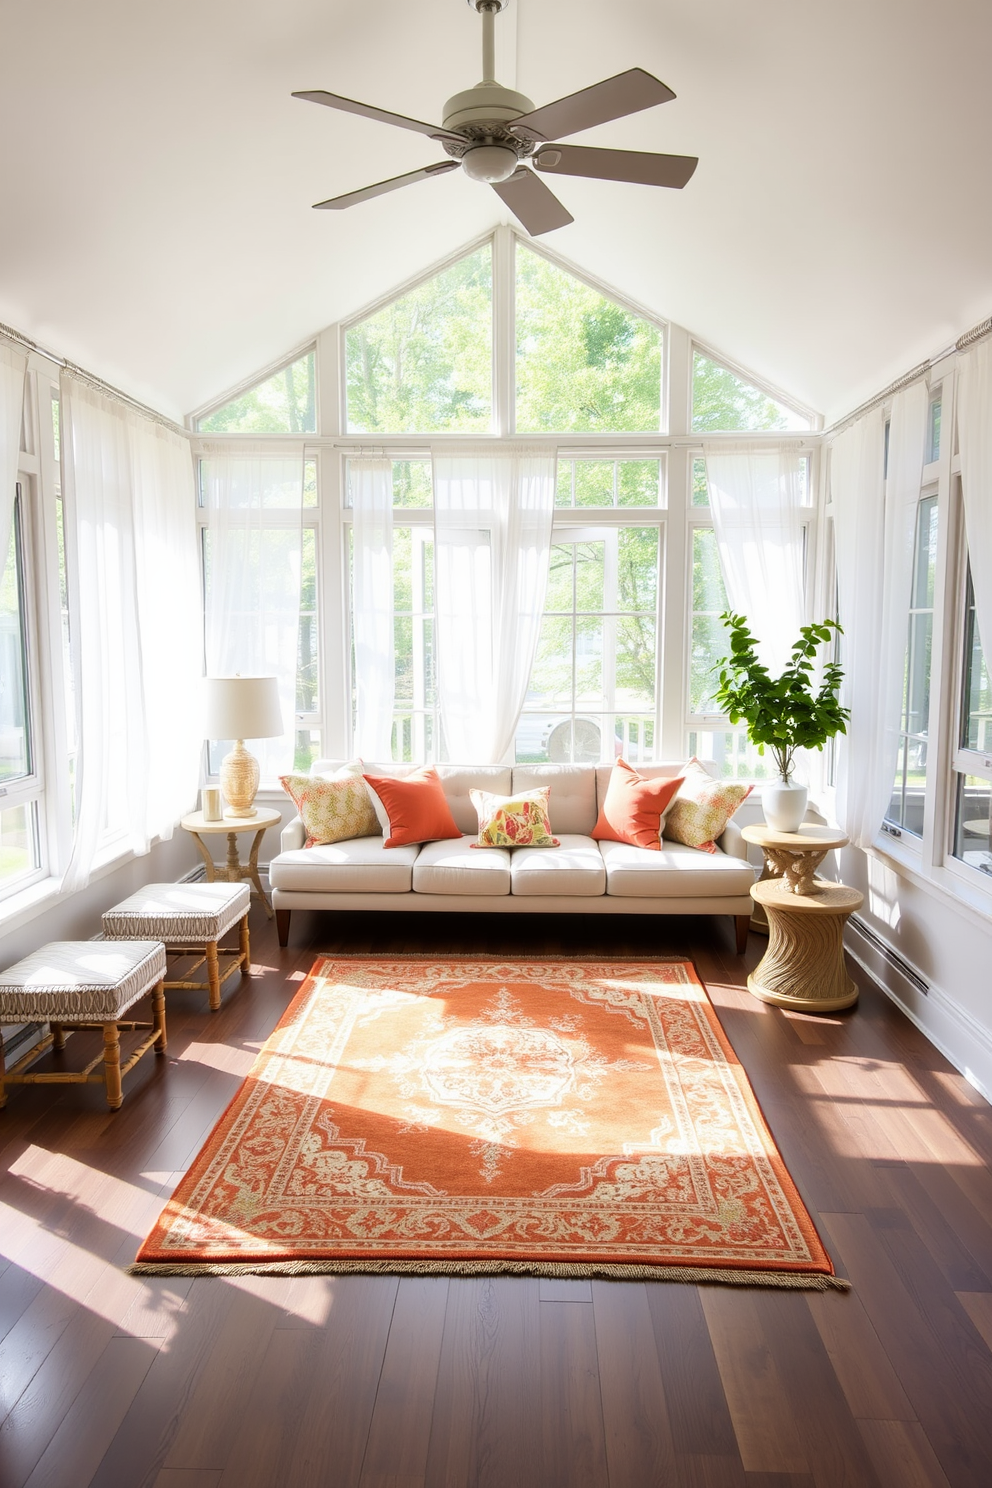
x,y
294,835
732,842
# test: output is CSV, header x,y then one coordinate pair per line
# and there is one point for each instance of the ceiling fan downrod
x,y
489,10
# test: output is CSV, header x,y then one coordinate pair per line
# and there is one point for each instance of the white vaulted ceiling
x,y
156,177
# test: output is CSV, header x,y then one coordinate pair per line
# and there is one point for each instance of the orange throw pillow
x,y
417,807
634,809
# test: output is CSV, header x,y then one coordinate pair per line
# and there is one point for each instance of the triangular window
x,y
583,362
285,403
423,364
723,401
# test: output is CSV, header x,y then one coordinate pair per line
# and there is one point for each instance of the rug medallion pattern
x,y
577,1117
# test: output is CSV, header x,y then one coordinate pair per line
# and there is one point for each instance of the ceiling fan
x,y
491,131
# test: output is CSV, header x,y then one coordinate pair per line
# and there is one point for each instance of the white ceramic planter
x,y
784,805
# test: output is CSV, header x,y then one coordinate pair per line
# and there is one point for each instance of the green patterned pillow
x,y
514,821
702,807
333,808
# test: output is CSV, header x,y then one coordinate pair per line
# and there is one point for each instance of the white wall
x,y
946,941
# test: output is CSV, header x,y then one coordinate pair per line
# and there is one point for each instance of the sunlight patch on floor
x,y
220,1057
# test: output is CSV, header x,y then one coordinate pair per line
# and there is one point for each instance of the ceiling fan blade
x,y
627,93
352,198
532,203
369,111
616,165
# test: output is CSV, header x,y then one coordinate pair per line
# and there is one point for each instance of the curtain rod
x,y
977,333
90,377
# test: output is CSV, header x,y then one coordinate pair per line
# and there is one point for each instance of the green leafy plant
x,y
783,713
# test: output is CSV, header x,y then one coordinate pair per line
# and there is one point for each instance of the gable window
x,y
283,403
583,362
722,400
423,364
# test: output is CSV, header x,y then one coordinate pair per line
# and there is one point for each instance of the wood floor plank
x,y
698,1413
138,1451
334,1426
902,1454
400,1431
962,1270
867,1378
77,1447
934,1356
978,1306
573,1433
206,1434
639,1447
565,1291
812,1394
766,1435
486,1428
273,1411
179,1477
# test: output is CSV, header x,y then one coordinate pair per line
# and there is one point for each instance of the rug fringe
x,y
816,1281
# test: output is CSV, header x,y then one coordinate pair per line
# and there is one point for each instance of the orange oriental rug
x,y
562,1118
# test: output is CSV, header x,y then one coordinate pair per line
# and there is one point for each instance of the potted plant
x,y
783,713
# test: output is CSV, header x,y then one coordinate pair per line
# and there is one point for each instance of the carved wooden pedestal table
x,y
233,870
803,967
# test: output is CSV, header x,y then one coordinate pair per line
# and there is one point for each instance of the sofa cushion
x,y
635,807
333,808
572,803
575,870
363,865
676,872
417,807
459,867
703,807
519,820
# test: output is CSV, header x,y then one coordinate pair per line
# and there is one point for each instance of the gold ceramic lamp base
x,y
239,776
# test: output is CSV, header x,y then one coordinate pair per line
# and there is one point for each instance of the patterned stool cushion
x,y
80,981
178,913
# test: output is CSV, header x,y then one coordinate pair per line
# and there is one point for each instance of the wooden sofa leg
x,y
282,925
742,924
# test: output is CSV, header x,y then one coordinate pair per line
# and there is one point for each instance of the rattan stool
x,y
190,919
82,985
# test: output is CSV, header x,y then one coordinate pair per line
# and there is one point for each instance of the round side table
x,y
233,870
794,855
803,967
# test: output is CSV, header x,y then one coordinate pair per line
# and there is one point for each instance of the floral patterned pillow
x,y
514,821
335,807
702,807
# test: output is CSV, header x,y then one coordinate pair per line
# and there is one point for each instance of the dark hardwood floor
x,y
386,1382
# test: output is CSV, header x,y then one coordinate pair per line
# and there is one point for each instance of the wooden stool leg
x,y
3,1067
213,975
112,1065
58,1035
245,947
158,1016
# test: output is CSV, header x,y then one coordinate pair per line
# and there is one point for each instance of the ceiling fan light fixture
x,y
490,163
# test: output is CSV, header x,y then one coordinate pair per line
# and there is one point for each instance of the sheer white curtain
x,y
756,500
12,367
975,445
874,532
130,502
493,511
253,569
371,485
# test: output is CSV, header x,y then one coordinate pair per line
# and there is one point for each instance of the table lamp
x,y
242,708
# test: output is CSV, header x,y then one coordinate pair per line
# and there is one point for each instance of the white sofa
x,y
579,877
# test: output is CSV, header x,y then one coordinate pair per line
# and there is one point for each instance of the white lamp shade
x,y
242,708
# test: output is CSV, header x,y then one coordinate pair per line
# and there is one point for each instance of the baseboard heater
x,y
888,955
